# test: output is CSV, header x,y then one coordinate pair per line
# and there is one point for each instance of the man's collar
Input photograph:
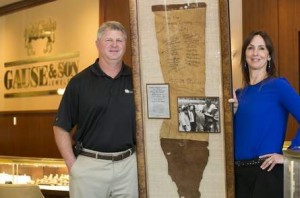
x,y
96,69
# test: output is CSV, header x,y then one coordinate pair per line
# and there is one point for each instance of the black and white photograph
x,y
198,114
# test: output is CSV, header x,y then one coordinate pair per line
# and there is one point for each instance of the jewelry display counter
x,y
291,173
51,175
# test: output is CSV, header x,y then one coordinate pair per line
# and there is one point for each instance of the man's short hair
x,y
111,25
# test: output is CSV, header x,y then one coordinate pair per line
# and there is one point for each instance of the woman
x,y
260,121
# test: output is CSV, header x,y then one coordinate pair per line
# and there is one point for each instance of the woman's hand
x,y
234,101
271,161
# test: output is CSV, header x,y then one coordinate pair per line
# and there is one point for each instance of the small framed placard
x,y
158,98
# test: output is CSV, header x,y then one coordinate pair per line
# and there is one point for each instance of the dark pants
x,y
253,182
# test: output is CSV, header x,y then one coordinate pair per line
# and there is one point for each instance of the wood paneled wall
x,y
280,18
261,15
118,10
31,134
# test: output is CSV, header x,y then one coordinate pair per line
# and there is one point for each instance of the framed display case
x,y
51,175
185,45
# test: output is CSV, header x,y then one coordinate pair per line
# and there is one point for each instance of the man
x,y
184,121
211,117
99,102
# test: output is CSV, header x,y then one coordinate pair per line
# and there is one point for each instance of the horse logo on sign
x,y
40,30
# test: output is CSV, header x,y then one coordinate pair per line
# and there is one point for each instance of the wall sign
x,y
42,48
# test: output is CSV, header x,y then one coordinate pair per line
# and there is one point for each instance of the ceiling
x,y
7,2
10,6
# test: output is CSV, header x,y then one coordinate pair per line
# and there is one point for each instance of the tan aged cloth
x,y
180,32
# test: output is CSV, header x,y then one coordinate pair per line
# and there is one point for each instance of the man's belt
x,y
117,157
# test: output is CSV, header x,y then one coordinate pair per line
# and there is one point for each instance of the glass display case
x,y
51,175
291,173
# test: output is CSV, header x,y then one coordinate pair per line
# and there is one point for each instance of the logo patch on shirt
x,y
128,91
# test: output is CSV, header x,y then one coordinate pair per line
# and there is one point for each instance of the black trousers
x,y
253,182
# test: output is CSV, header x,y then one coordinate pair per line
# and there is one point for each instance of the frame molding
x,y
141,159
227,94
